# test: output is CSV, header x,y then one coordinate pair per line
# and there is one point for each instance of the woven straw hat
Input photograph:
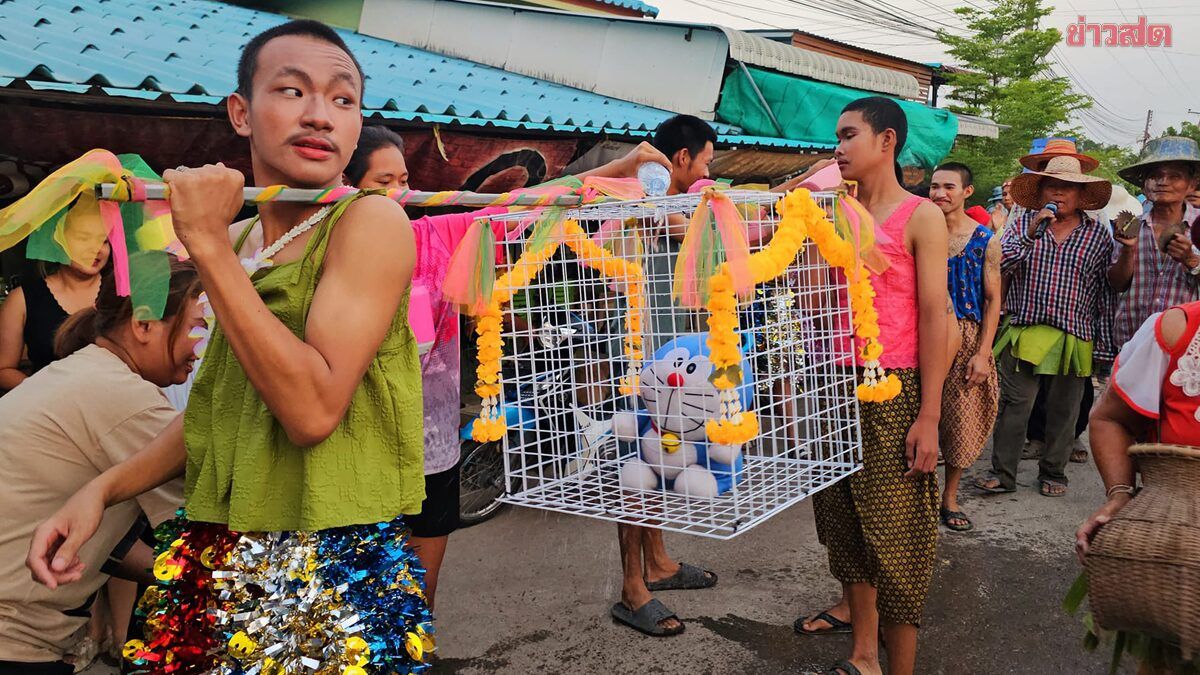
x,y
1026,188
1159,151
1058,147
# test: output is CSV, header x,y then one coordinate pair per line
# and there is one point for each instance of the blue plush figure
x,y
679,399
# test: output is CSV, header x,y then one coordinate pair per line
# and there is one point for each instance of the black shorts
x,y
439,511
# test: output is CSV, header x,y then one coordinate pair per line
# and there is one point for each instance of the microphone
x,y
1045,222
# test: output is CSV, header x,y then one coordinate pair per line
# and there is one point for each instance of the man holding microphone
x,y
1057,258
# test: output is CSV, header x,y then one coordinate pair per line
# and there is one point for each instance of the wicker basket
x,y
1143,568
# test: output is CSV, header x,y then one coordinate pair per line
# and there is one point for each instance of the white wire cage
x,y
576,444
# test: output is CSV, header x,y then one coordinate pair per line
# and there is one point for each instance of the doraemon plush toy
x,y
679,400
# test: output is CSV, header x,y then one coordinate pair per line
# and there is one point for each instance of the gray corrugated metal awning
x,y
759,51
970,125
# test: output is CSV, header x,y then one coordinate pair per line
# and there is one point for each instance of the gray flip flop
x,y
646,619
688,578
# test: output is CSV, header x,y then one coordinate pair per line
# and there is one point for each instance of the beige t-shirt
x,y
58,430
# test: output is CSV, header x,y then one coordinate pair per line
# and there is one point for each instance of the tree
x,y
1112,158
1189,129
1006,78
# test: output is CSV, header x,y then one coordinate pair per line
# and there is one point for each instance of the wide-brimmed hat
x,y
997,195
1026,188
1058,147
1160,150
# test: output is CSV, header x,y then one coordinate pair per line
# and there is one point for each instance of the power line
x,y
845,25
839,21
1153,62
1160,49
881,18
740,16
876,15
1085,86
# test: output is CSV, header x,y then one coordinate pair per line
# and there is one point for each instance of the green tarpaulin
x,y
808,111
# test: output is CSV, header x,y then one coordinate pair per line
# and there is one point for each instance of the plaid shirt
x,y
1064,285
1158,283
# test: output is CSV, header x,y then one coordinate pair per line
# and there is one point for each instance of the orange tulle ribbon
x,y
716,231
472,271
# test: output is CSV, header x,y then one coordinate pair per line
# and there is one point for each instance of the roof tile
x,y
188,49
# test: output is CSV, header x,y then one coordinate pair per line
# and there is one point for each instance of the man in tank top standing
x,y
881,524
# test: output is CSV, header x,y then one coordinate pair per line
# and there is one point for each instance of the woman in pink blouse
x,y
378,162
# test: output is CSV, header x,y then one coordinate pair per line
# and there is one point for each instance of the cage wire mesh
x,y
564,359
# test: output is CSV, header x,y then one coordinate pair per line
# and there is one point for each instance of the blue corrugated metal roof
x,y
187,51
645,9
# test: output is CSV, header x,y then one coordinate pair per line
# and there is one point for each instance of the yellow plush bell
x,y
670,442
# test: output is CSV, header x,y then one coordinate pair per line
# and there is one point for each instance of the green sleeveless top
x,y
241,468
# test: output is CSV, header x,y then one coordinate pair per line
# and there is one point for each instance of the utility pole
x,y
1193,112
1146,133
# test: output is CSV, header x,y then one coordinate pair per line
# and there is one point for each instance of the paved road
x,y
529,592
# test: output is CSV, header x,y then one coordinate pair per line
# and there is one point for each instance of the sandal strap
x,y
653,612
830,619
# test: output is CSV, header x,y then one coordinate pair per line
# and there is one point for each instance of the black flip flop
x,y
688,578
647,618
843,668
836,625
947,515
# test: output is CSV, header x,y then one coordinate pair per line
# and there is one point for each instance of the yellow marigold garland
x,y
877,386
734,426
801,218
626,272
490,425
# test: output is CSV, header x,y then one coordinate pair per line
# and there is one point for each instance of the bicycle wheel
x,y
482,482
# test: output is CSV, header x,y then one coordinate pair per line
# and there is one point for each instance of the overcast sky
x,y
1125,82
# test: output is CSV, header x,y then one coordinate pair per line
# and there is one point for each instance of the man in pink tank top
x,y
880,525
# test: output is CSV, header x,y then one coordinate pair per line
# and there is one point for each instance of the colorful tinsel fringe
x,y
343,601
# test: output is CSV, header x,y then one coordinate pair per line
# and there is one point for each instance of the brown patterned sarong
x,y
880,527
968,410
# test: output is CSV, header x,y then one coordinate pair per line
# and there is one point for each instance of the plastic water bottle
x,y
655,179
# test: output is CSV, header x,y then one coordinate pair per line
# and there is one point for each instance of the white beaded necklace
x,y
262,257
